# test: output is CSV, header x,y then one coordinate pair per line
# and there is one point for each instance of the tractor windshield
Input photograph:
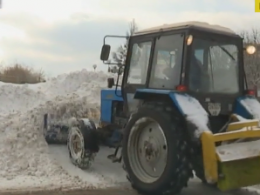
x,y
214,67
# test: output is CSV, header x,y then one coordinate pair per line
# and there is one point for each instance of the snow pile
x,y
15,98
24,152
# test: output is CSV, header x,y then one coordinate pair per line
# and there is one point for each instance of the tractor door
x,y
135,75
215,73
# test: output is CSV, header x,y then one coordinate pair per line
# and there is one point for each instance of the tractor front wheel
x,y
155,150
82,143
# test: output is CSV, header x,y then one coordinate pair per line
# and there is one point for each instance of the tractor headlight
x,y
250,49
189,39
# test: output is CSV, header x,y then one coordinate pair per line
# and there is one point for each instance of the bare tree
x,y
252,62
119,56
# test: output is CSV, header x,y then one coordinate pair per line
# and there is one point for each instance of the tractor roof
x,y
183,25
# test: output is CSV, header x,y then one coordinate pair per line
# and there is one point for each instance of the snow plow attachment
x,y
232,159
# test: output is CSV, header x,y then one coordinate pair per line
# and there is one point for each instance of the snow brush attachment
x,y
54,133
232,159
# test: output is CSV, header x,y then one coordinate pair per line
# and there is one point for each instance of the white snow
x,y
238,151
167,27
87,122
194,112
25,156
240,118
253,106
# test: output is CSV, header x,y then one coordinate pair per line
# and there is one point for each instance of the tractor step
x,y
114,158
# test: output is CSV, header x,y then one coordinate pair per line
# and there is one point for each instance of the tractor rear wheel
x,y
155,150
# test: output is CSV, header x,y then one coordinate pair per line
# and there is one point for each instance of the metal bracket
x,y
114,157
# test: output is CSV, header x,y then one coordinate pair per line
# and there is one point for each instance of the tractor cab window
x,y
167,62
139,63
199,54
214,67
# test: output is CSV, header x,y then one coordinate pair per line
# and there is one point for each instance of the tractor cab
x,y
188,109
203,60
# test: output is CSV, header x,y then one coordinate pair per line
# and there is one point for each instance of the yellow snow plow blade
x,y
229,160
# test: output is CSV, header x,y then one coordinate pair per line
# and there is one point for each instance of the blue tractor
x,y
183,108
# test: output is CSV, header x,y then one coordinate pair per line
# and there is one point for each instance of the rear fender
x,y
189,107
248,107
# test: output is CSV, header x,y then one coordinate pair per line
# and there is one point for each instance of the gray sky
x,y
59,36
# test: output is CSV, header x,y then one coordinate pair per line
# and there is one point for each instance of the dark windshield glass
x,y
214,67
167,62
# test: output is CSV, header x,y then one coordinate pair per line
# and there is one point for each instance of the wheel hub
x,y
76,144
149,151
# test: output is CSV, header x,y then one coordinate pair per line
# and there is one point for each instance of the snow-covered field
x,y
25,158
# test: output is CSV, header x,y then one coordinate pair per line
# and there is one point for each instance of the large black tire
x,y
177,171
85,131
197,163
197,159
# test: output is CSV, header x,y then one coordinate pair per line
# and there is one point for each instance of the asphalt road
x,y
114,172
195,188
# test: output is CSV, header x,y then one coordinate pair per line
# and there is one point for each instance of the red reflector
x,y
181,88
250,92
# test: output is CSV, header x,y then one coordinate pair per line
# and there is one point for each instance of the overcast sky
x,y
59,36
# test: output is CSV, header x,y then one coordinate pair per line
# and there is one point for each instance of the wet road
x,y
114,172
195,188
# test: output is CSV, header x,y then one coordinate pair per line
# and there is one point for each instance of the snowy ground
x,y
25,156
102,174
28,163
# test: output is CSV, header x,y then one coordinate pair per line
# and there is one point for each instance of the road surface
x,y
194,188
113,172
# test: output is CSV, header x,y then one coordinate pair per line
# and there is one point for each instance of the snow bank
x,y
24,152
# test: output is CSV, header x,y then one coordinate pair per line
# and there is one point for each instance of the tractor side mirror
x,y
110,82
105,52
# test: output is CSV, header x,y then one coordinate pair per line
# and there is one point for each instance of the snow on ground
x,y
25,156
